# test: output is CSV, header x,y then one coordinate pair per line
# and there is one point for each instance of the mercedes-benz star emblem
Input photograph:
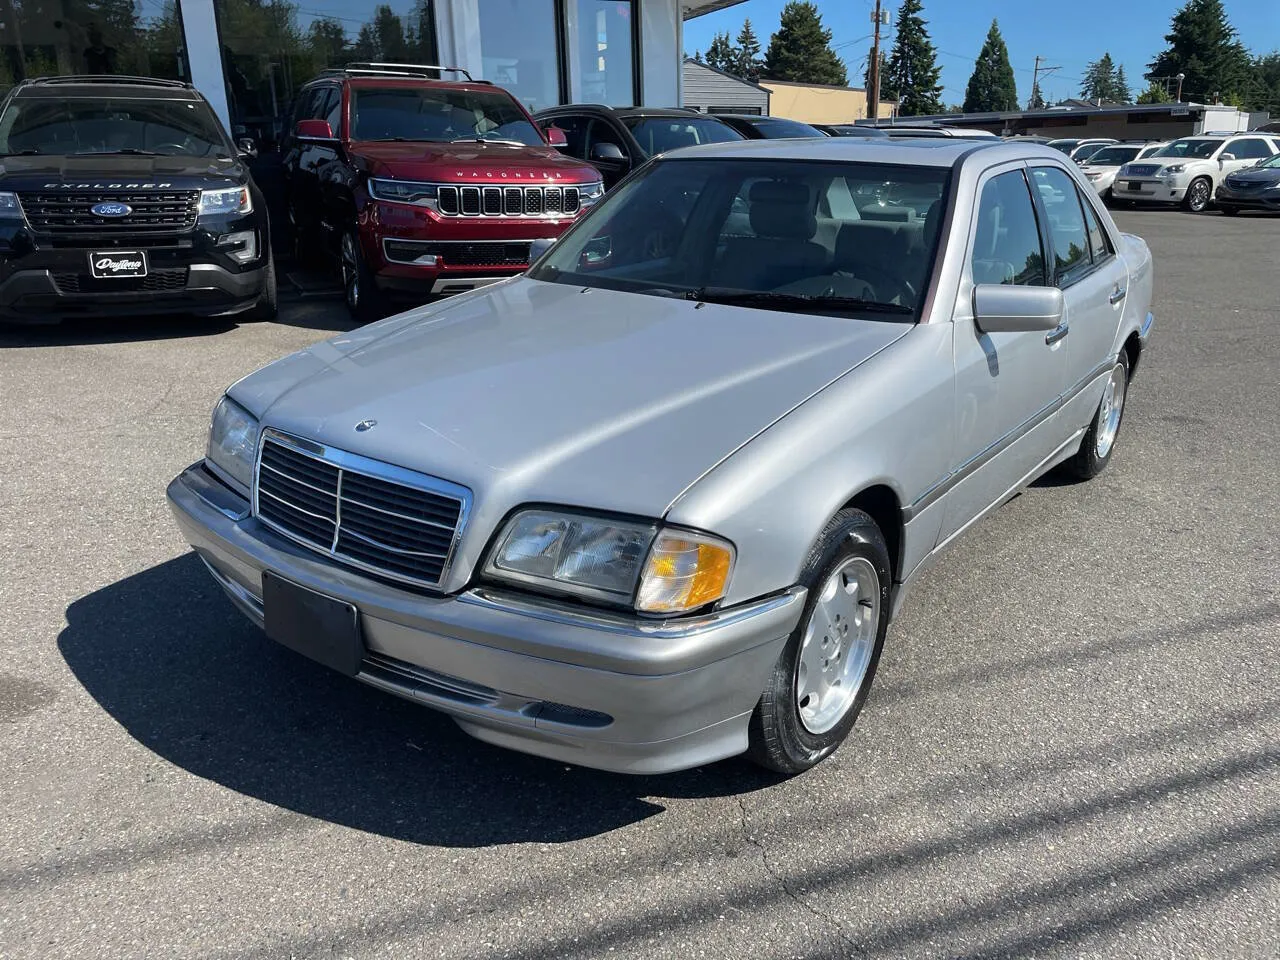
x,y
364,425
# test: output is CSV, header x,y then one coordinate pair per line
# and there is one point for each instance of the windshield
x,y
775,128
1113,156
660,134
83,125
1269,162
1087,151
842,239
1066,146
439,115
1199,149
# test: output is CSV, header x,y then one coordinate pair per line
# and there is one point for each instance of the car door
x,y
1093,281
1007,384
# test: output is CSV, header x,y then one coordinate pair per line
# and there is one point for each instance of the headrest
x,y
870,242
782,210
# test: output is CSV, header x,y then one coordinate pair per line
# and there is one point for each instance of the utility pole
x,y
1035,77
873,95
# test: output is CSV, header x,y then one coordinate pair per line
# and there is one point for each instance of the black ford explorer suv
x,y
125,196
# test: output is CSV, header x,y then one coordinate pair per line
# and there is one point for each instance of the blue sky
x,y
1068,35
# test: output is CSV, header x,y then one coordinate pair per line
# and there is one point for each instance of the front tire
x,y
1199,193
821,680
1100,439
359,288
1229,210
268,305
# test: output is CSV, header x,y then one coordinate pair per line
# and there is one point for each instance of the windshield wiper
x,y
799,301
29,152
481,138
123,151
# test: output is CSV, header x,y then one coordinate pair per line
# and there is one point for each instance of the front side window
x,y
1006,245
85,125
439,115
575,134
660,134
1066,224
792,236
1113,156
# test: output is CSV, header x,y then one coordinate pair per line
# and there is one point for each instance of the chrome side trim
x,y
620,624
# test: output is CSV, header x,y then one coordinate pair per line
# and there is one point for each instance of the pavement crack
x,y
791,893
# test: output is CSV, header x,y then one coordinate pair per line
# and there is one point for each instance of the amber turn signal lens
x,y
684,571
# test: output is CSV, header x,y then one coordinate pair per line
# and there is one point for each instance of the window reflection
x,y
518,49
604,51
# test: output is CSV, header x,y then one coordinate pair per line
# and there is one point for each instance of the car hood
x,y
471,162
118,171
1265,175
534,392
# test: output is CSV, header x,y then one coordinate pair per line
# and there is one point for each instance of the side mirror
x,y
314,130
608,154
1004,308
1227,156
248,149
539,247
556,137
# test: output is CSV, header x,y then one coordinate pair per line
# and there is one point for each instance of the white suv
x,y
1190,170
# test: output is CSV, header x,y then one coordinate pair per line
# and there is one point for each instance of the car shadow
x,y
85,331
167,656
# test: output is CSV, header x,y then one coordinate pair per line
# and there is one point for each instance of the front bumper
x,y
588,688
1150,189
1248,199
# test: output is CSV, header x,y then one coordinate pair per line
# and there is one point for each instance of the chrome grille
x,y
157,212
1142,169
509,201
388,521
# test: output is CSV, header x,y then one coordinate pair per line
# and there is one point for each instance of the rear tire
x,y
1100,439
1199,195
821,680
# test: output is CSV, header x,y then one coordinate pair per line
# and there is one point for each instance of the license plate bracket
x,y
312,624
1134,185
118,264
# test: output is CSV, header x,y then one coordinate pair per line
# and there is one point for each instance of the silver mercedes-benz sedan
x,y
656,502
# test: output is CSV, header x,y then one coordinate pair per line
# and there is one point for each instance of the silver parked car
x,y
656,502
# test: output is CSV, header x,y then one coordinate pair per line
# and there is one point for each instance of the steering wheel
x,y
171,148
897,286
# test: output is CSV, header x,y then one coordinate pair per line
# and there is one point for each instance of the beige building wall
x,y
814,103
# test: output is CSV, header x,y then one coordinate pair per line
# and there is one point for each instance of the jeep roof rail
x,y
424,70
109,78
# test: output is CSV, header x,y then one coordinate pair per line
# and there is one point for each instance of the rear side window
x,y
1066,224
1099,244
1007,246
1251,148
332,108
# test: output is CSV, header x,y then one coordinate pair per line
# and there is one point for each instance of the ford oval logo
x,y
111,209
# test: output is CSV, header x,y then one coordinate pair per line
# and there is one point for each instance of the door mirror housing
x,y
608,155
315,130
247,148
556,137
1005,308
539,247
1227,156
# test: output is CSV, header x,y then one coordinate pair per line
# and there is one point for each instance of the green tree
x,y
747,60
801,49
1266,82
1120,91
721,54
1099,79
1203,45
992,87
913,73
886,89
1037,100
1155,93
328,41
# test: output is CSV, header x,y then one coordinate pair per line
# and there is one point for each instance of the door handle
x,y
1117,295
1057,333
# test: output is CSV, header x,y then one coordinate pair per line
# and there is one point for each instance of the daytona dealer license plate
x,y
118,263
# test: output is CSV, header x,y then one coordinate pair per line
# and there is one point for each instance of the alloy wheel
x,y
350,271
1110,411
1199,195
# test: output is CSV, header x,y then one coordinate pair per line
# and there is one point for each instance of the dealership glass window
x,y
61,37
603,51
518,49
270,48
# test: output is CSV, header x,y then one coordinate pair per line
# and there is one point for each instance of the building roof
x,y
1173,109
813,86
726,74
696,8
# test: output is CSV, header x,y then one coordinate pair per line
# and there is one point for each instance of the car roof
x,y
120,88
902,151
621,112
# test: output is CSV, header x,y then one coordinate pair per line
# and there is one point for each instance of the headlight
x,y
10,209
1172,170
404,191
618,562
233,443
225,201
591,193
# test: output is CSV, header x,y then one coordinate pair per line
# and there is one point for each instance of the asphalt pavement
x,y
1073,747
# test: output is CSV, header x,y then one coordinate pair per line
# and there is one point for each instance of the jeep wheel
x,y
360,291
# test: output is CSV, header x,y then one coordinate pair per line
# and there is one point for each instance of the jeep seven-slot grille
x,y
456,201
396,530
153,212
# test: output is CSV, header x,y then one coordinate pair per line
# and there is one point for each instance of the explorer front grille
x,y
388,521
70,213
159,280
548,202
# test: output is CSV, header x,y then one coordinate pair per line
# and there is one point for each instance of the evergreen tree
x,y
913,73
1266,82
1156,93
1099,79
721,54
886,92
697,56
1120,91
801,49
328,41
1037,100
1204,46
747,60
992,87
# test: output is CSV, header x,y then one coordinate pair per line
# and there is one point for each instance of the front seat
x,y
782,250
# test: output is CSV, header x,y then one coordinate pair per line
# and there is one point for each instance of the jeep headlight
x,y
231,200
619,562
404,191
233,444
590,194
